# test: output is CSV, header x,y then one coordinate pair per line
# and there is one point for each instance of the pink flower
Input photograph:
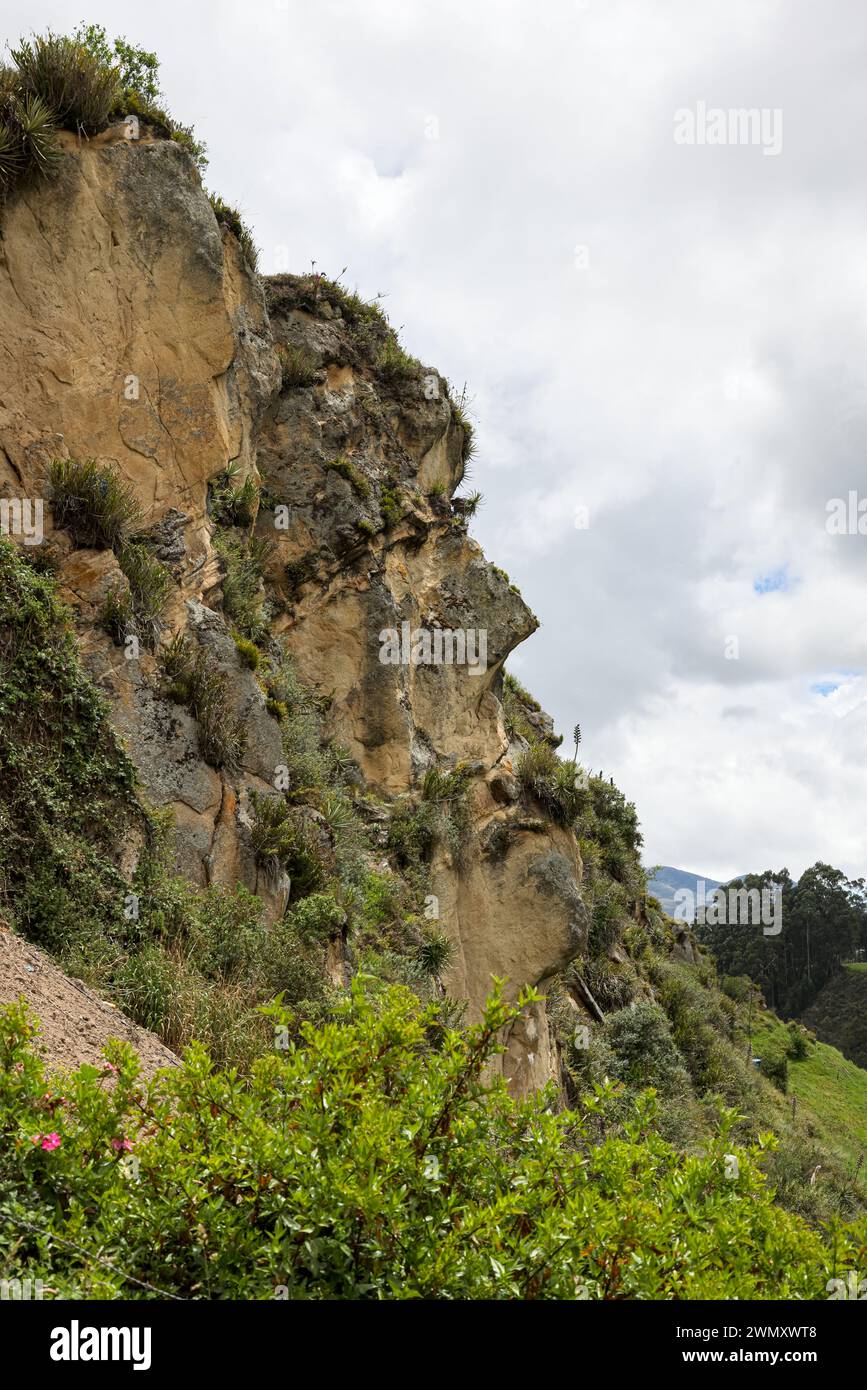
x,y
110,1067
47,1141
120,1144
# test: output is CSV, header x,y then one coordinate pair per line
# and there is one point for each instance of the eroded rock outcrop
x,y
135,333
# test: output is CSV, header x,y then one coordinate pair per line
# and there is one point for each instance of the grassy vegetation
x,y
392,506
194,679
344,468
839,1012
230,217
298,367
516,703
244,560
830,1092
393,363
461,417
77,86
139,608
66,795
93,502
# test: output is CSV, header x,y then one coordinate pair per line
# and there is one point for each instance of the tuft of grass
x,y
516,702
298,367
461,417
28,146
196,681
92,502
280,842
248,652
346,469
79,88
230,217
392,506
244,560
140,608
550,782
393,363
117,616
231,505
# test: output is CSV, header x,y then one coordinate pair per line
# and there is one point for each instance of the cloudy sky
x,y
670,334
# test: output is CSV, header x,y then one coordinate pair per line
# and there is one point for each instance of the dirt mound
x,y
75,1023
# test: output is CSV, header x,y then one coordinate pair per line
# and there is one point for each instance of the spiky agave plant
x,y
435,952
28,134
77,85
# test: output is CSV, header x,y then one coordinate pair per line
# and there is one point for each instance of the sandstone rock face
x,y
132,332
135,333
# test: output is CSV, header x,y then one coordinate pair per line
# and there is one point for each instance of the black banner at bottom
x,y
85,1341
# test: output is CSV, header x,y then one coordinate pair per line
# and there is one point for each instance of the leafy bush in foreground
x,y
372,1160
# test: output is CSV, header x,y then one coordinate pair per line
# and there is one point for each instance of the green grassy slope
x,y
830,1092
838,1014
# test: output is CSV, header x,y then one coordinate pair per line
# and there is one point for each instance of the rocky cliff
x,y
295,474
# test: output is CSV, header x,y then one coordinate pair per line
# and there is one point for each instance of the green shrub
x,y
117,615
318,918
244,560
797,1047
607,916
138,69
412,833
140,94
612,985
66,793
516,701
92,502
775,1067
698,1026
346,1166
647,1055
554,784
230,505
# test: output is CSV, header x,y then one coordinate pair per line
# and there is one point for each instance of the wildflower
x,y
47,1141
119,1145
